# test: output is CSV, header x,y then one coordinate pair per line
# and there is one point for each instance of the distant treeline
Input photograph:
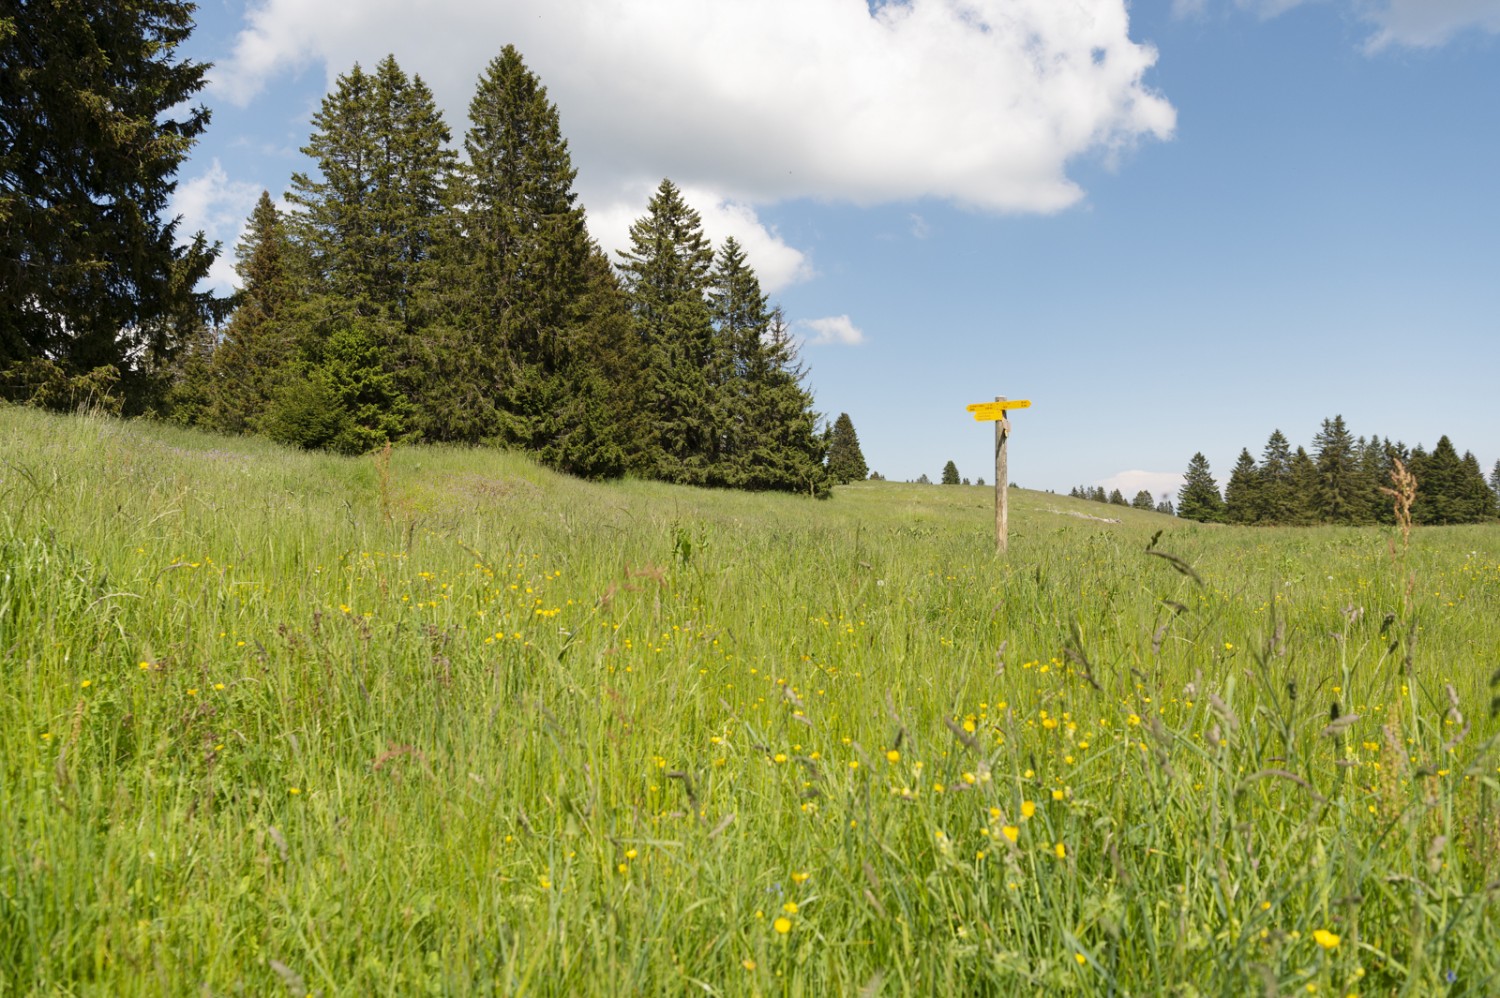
x,y
1340,482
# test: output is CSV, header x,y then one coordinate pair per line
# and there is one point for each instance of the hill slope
x,y
454,723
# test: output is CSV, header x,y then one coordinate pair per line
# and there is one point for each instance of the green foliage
x,y
1117,498
1242,494
46,384
95,117
345,402
846,462
950,474
369,215
1143,501
1339,497
1199,498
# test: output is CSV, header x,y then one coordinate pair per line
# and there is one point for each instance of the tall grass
x,y
443,722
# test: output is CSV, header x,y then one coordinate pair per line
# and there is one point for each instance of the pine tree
x,y
1495,480
1165,506
1479,501
528,303
1440,485
1199,498
741,317
665,273
1098,494
1242,493
1117,498
1143,501
1303,476
1276,502
94,124
846,463
950,474
370,216
788,452
259,340
1339,497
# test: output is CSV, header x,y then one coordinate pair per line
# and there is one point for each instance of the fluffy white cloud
x,y
750,102
1155,482
835,329
218,207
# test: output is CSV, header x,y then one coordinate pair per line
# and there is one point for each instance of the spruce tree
x,y
1495,480
1304,480
1143,501
1339,497
741,317
1242,493
1440,485
1275,502
1117,498
846,463
1165,506
665,274
1479,501
950,474
371,214
528,302
94,124
1199,498
788,451
258,341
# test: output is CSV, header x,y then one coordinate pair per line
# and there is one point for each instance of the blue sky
x,y
1174,226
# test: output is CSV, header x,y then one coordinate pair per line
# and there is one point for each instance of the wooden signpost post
x,y
995,411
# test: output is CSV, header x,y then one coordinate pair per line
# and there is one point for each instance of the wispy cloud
x,y
835,329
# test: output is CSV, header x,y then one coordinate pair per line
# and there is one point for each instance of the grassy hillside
x,y
273,722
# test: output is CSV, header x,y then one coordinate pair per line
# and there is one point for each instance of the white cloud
x,y
835,329
1155,482
1429,23
777,264
1415,23
218,207
746,103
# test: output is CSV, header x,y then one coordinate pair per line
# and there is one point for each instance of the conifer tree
x,y
665,274
1117,498
1165,506
788,451
258,341
94,123
1495,480
1479,501
1242,493
528,303
1440,485
1143,501
1275,500
1199,498
1304,488
950,474
1339,497
846,463
741,316
369,216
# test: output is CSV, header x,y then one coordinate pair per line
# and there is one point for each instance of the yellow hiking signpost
x,y
995,411
984,411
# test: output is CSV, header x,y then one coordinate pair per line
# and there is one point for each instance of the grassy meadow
x,y
446,723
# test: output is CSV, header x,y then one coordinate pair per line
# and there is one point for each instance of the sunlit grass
x,y
277,722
